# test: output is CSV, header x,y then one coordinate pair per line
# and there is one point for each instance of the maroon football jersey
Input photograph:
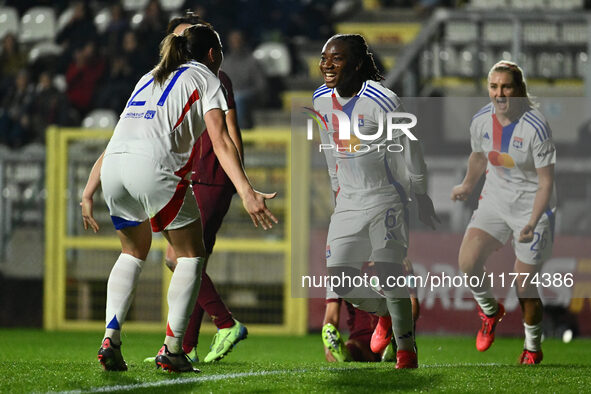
x,y
207,170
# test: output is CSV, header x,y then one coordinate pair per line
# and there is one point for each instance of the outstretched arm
x,y
94,180
225,150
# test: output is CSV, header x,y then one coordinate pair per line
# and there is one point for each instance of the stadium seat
x,y
171,5
100,119
42,49
102,19
38,23
134,5
64,18
275,59
8,21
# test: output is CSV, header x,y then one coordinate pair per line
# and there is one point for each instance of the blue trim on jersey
x,y
399,190
121,223
506,137
482,111
176,76
348,107
388,101
535,128
366,94
362,88
320,91
138,103
537,121
552,220
114,324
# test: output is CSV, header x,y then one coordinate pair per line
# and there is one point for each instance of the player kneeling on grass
x,y
371,186
144,172
370,336
512,143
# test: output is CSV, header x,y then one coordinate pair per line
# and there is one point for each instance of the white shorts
x,y
137,188
377,234
504,225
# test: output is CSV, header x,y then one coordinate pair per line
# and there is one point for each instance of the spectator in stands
x,y
78,32
49,107
248,79
12,60
14,113
124,70
118,26
83,75
151,29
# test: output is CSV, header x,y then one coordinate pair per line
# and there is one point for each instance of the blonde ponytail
x,y
173,53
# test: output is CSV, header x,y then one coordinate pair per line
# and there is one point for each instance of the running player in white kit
x,y
512,142
145,173
372,185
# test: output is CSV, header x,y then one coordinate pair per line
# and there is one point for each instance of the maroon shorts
x,y
214,202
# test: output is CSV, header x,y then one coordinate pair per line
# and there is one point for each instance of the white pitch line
x,y
213,378
173,382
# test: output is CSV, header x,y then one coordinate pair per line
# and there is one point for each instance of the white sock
x,y
120,290
402,323
533,337
486,300
182,294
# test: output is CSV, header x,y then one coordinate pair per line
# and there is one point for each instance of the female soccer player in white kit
x,y
145,179
370,221
512,143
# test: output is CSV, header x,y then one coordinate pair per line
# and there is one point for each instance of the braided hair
x,y
360,52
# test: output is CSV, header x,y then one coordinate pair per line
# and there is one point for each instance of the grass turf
x,y
38,361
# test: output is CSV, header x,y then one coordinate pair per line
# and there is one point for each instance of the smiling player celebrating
x,y
370,220
512,142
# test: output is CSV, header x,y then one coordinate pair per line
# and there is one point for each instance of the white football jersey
x,y
513,152
364,172
164,121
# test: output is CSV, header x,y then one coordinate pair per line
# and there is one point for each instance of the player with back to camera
x,y
213,190
144,175
370,220
512,143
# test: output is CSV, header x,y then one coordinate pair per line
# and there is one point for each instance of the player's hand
x,y
527,234
87,218
427,213
255,205
460,192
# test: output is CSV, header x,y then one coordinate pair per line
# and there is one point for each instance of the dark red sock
x,y
210,300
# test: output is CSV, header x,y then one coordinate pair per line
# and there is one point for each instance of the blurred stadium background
x,y
68,68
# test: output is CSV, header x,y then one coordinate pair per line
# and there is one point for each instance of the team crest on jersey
x,y
517,142
361,121
486,136
150,114
327,251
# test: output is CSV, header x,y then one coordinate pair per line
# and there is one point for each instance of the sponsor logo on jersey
x,y
134,115
517,142
150,114
486,136
546,153
499,159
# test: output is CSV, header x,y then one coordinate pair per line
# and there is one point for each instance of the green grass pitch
x,y
38,361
